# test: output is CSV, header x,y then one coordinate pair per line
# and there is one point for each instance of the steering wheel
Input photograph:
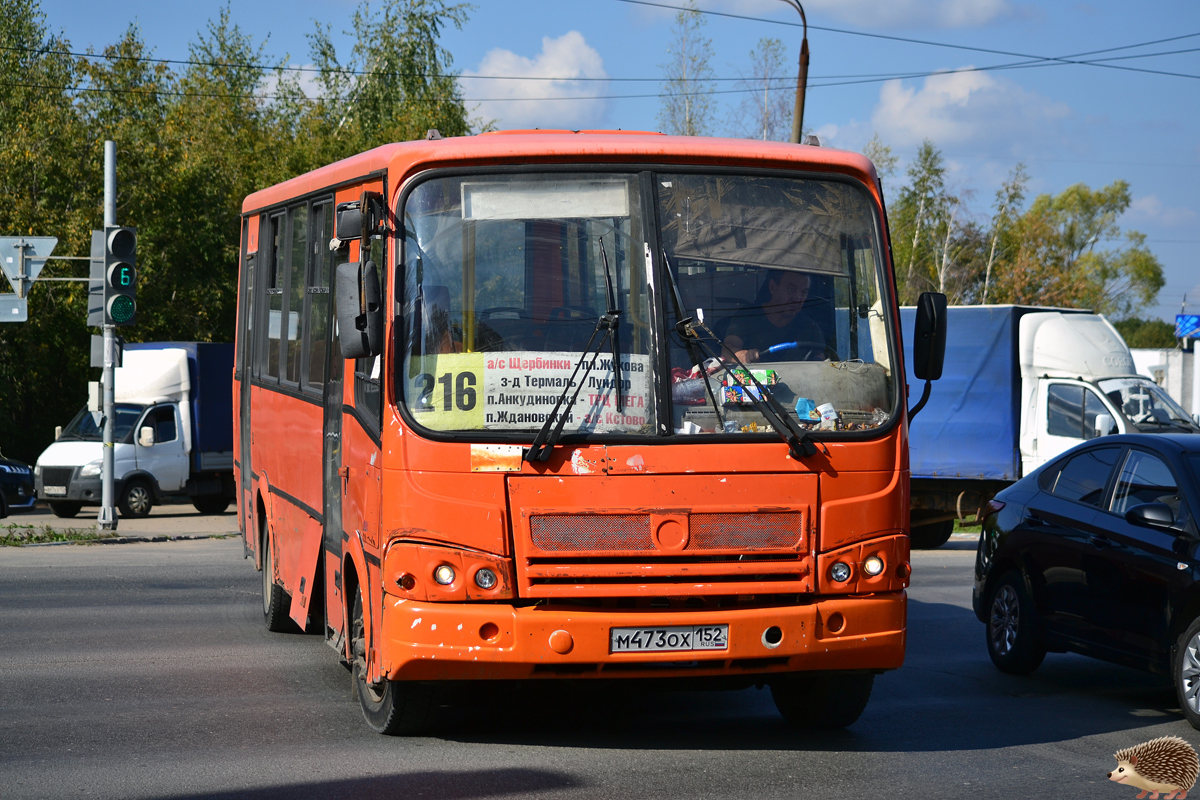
x,y
806,350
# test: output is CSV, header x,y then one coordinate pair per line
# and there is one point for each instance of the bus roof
x,y
557,146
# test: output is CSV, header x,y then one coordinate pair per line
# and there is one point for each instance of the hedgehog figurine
x,y
1167,764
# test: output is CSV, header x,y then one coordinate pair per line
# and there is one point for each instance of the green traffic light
x,y
121,309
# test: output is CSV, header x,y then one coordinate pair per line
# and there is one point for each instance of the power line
x,y
1063,59
1028,60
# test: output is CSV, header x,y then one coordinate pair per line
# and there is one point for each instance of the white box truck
x,y
173,435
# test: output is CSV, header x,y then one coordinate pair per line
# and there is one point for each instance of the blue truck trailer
x,y
1020,385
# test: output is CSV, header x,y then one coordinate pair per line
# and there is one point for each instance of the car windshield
x,y
84,426
1146,405
504,283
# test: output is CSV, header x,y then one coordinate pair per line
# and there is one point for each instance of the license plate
x,y
54,490
682,637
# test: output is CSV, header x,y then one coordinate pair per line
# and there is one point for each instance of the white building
x,y
1174,370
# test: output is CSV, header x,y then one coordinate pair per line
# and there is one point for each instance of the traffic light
x,y
120,275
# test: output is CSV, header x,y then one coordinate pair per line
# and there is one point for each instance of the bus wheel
x,y
274,598
822,700
394,708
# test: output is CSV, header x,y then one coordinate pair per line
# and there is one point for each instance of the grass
x,y
959,527
15,535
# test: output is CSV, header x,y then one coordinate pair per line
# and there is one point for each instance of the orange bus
x,y
578,404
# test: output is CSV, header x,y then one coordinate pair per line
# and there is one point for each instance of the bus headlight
x,y
444,574
485,578
840,572
873,565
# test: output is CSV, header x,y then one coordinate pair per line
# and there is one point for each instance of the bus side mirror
x,y
349,221
359,310
929,339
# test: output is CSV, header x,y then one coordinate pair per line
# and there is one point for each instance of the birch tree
x,y
766,110
686,106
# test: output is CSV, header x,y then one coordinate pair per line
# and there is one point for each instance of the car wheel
x,y
212,504
65,510
1013,641
822,700
931,537
275,599
395,708
1186,672
136,499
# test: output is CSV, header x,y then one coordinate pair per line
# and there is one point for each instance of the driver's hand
x,y
747,356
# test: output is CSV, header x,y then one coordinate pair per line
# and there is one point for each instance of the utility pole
x,y
801,77
106,520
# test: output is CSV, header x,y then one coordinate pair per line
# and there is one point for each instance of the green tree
x,y
1009,198
686,106
43,161
882,157
1060,259
920,210
1150,333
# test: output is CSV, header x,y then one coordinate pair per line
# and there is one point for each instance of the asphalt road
x,y
143,671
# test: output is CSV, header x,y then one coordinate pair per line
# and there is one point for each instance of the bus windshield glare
x,y
504,282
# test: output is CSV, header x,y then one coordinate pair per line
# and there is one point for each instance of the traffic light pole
x,y
107,518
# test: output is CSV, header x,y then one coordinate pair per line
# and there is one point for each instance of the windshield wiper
x,y
550,432
614,315
798,442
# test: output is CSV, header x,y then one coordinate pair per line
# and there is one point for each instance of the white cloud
x,y
963,108
1149,209
540,103
886,13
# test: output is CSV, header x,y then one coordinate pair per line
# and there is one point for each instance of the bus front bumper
x,y
460,641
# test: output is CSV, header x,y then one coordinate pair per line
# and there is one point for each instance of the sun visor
x,y
809,233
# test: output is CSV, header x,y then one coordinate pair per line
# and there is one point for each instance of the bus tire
x,y
65,509
275,599
211,504
932,536
822,700
137,498
393,708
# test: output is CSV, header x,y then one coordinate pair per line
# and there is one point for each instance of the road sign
x,y
22,258
95,312
13,308
1187,325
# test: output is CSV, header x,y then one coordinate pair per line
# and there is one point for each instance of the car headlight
x,y
90,469
37,470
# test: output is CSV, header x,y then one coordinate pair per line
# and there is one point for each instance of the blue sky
x,y
1069,123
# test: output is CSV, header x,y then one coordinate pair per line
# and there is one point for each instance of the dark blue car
x,y
1098,552
16,486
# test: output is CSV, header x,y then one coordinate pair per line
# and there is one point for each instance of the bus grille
x,y
616,555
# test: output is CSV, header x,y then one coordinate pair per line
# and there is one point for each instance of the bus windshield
x,y
504,283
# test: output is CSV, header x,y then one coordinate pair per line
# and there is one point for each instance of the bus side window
x,y
319,287
270,354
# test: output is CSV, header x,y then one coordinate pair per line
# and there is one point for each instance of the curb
x,y
135,539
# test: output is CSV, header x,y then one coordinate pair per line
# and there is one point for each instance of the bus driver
x,y
777,321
